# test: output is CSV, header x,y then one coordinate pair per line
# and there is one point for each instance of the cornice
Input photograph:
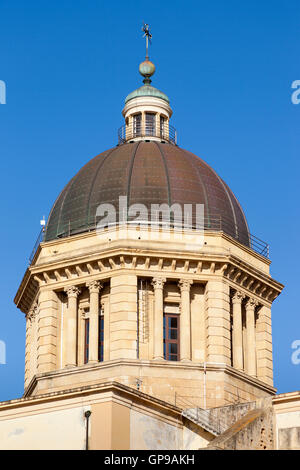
x,y
116,389
208,367
147,263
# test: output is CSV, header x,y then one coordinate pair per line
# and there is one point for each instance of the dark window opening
x,y
171,337
101,339
150,124
137,125
86,340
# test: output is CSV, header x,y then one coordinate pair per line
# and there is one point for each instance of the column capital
x,y
32,312
238,297
94,286
251,304
72,291
185,284
158,282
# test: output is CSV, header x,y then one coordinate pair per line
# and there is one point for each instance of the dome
x,y
147,90
147,173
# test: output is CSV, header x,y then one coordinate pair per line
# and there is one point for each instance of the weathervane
x,y
148,36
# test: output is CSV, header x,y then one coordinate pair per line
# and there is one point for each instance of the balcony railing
x,y
138,130
214,222
39,240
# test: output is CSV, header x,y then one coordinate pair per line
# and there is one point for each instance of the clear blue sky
x,y
227,67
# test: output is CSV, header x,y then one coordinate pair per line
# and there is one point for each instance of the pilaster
x,y
158,285
217,306
123,316
47,332
185,320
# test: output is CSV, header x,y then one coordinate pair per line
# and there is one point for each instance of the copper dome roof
x,y
148,173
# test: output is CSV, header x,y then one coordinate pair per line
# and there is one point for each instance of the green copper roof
x,y
147,90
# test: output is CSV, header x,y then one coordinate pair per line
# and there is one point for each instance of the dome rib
x,y
167,173
101,163
63,202
229,199
130,173
185,154
59,203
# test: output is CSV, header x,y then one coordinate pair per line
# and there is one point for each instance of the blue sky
x,y
227,67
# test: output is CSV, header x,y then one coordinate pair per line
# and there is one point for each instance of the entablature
x,y
200,268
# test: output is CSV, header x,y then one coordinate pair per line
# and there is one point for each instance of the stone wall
x,y
289,438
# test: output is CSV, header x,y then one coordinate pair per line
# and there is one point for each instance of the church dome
x,y
147,173
147,90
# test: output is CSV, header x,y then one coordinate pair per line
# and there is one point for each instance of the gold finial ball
x,y
147,68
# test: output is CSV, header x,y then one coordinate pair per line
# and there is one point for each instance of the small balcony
x,y
127,133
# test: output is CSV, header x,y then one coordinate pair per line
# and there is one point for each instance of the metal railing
x,y
215,223
39,239
129,132
198,415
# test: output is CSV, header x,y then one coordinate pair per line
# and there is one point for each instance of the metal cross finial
x,y
148,36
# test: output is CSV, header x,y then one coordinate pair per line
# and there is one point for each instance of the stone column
x,y
237,332
47,332
264,345
94,288
158,338
185,320
71,324
143,124
157,125
250,335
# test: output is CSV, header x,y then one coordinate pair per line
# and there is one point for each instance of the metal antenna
x,y
148,36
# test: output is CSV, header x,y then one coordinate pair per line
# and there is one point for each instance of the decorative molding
x,y
251,303
238,297
238,274
33,312
185,284
94,286
158,282
72,291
